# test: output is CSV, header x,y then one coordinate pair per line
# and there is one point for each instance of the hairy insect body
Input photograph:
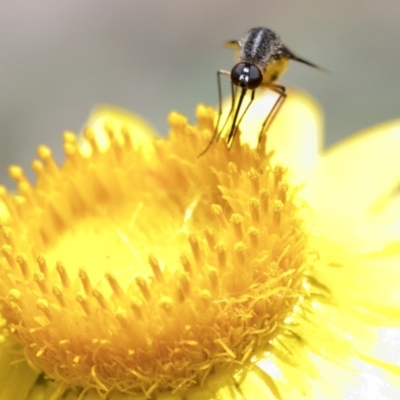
x,y
260,47
263,48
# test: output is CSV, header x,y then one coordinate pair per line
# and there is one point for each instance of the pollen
x,y
148,269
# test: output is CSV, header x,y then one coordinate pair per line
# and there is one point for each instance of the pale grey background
x,y
60,58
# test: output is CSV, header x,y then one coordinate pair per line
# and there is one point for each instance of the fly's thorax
x,y
260,46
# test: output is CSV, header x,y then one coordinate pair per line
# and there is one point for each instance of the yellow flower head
x,y
138,267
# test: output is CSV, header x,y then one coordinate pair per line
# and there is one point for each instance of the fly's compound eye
x,y
247,76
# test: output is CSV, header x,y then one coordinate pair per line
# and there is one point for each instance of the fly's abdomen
x,y
274,70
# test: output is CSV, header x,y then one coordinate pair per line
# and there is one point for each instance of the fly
x,y
263,59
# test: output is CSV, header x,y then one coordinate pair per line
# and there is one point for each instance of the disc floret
x,y
150,269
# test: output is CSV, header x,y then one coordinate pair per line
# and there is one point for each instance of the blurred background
x,y
60,58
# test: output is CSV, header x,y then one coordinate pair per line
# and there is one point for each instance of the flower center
x,y
150,269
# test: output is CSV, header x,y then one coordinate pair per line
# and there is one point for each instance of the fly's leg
x,y
281,90
217,133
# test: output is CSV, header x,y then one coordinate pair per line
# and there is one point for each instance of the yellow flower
x,y
138,270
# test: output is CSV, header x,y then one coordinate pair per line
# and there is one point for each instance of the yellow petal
x,y
358,176
378,234
114,119
358,381
372,236
370,288
387,345
284,381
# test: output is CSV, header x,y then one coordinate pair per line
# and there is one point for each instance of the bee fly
x,y
263,59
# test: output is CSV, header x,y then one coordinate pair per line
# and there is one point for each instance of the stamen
x,y
103,303
187,266
210,238
282,190
213,277
83,301
236,221
7,252
116,288
45,155
126,138
278,174
40,279
277,208
23,264
184,284
195,246
89,135
25,189
232,168
136,306
254,179
38,169
87,287
221,252
71,152
264,197
205,297
14,295
143,286
240,250
217,211
17,173
59,295
63,275
43,305
254,206
166,304
121,316
41,261
6,234
155,267
253,234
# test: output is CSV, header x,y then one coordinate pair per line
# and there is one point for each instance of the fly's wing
x,y
285,52
232,44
